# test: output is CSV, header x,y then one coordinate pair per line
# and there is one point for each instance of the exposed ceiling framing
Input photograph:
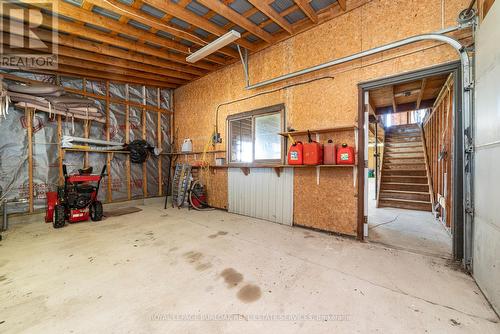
x,y
408,96
148,40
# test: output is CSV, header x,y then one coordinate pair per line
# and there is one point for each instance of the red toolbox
x,y
313,152
296,154
345,155
330,153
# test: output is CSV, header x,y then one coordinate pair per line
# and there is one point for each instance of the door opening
x,y
412,180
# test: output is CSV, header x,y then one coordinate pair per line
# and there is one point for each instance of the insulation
x,y
14,155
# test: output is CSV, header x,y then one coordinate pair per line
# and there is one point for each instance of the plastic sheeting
x,y
13,143
14,159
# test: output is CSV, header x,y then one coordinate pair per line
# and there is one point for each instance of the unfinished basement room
x,y
249,166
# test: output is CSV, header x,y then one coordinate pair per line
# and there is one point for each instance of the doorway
x,y
412,181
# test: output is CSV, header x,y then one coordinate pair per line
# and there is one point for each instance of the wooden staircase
x,y
404,181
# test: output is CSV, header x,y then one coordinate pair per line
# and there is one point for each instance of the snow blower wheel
x,y
96,211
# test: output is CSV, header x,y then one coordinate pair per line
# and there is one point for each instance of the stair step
x,y
404,149
403,162
408,195
403,144
405,204
419,167
404,186
404,172
399,155
405,179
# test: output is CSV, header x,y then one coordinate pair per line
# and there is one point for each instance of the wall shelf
x,y
317,131
94,151
193,153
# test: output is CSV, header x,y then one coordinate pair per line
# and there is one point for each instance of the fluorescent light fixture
x,y
218,44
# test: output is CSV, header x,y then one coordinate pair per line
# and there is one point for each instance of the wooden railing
x,y
438,133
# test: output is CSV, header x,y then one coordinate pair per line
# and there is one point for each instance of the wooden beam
x,y
180,12
88,33
394,104
87,73
87,16
236,18
28,114
129,12
307,9
342,4
421,93
85,64
184,72
272,14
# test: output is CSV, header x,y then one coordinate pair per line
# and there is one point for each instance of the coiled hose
x,y
139,151
193,192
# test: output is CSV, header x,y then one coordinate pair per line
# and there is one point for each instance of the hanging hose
x,y
140,151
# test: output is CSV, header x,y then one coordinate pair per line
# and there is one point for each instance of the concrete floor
x,y
411,230
158,270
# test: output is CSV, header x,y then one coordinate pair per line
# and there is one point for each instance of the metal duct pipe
x,y
437,36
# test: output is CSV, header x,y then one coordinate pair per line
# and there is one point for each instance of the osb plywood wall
x,y
323,103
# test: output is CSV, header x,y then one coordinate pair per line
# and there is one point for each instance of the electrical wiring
x,y
263,93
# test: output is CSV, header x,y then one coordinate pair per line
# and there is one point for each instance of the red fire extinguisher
x,y
345,155
296,152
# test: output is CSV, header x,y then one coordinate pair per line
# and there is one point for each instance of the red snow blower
x,y
76,200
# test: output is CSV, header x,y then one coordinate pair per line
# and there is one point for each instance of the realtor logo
x,y
28,37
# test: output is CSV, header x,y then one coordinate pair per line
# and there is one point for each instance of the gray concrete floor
x,y
411,230
158,270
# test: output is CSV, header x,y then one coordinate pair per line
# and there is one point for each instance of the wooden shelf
x,y
281,166
198,152
327,130
94,151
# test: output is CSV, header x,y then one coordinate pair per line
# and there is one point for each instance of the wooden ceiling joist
x,y
75,71
394,104
272,14
111,61
307,9
342,4
421,93
130,12
180,12
86,16
181,71
88,33
123,38
238,19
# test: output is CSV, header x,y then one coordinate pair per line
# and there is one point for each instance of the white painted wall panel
x,y
262,194
486,251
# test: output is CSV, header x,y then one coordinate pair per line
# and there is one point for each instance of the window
x,y
253,135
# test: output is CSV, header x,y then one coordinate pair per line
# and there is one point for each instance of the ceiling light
x,y
218,44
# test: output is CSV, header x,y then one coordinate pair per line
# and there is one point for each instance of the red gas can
x,y
330,153
345,155
313,153
296,154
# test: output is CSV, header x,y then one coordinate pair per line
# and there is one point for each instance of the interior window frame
x,y
275,109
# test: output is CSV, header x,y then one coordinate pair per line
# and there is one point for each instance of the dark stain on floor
x,y
231,277
195,259
213,236
192,256
203,266
249,293
2,278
